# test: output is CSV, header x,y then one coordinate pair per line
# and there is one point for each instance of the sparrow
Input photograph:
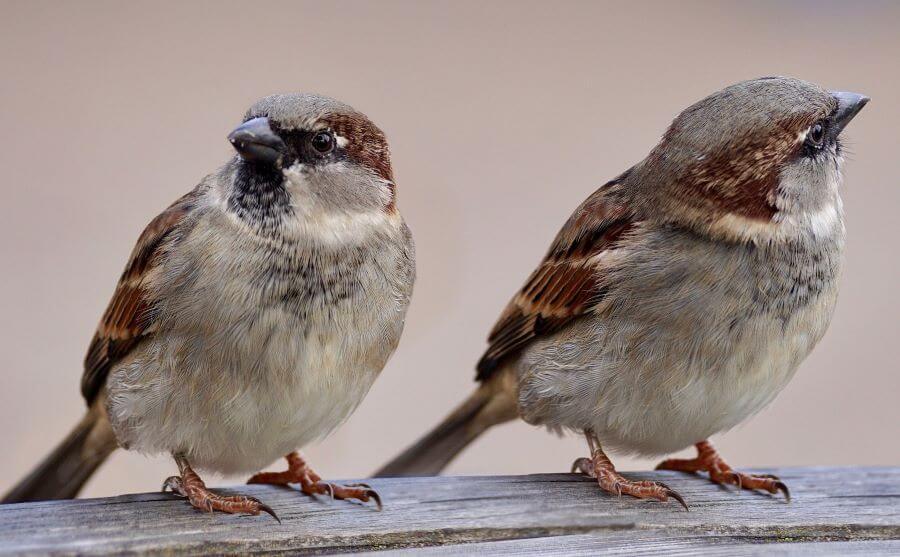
x,y
254,313
680,297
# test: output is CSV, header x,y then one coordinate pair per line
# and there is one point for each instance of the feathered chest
x,y
681,282
224,279
792,275
313,279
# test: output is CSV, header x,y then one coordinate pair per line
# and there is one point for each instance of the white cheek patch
x,y
331,228
295,175
822,222
341,140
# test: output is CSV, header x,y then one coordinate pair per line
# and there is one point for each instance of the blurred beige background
x,y
502,118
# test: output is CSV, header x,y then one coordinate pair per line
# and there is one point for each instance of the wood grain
x,y
835,510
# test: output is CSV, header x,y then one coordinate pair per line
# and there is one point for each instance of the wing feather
x,y
130,315
568,283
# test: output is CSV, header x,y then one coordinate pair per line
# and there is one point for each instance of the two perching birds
x,y
675,303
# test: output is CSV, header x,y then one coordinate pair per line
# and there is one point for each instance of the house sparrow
x,y
680,297
254,313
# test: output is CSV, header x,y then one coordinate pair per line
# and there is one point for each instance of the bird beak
x,y
848,105
255,141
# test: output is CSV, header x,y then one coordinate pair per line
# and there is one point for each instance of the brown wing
x,y
566,284
131,313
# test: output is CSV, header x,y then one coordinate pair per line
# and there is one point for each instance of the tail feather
x,y
486,407
63,473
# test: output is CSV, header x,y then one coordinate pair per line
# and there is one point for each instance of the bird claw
x,y
780,486
173,485
765,482
708,460
583,465
599,467
327,487
675,495
311,484
266,509
611,482
193,488
360,491
375,497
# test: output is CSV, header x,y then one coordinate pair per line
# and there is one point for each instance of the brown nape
x,y
366,144
740,180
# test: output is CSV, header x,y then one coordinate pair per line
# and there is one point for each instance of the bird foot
x,y
708,460
299,472
600,468
190,485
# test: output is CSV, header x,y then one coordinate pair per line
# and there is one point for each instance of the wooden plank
x,y
502,515
653,543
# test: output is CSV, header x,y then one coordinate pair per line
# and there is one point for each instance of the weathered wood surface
x,y
834,510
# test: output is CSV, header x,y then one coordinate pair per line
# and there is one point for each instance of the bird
x,y
679,298
253,314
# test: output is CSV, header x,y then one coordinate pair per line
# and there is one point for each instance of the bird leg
x,y
599,466
310,483
189,485
709,460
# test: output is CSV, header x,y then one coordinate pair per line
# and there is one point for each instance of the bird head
x,y
322,155
759,159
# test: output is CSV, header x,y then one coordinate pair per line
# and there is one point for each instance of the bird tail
x,y
492,403
64,471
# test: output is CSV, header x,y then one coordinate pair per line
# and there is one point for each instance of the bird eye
x,y
816,134
323,142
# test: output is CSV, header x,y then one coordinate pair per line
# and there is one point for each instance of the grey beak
x,y
255,141
849,104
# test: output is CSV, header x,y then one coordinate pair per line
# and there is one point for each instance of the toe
x,y
363,494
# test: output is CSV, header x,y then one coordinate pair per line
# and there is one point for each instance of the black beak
x,y
255,141
848,105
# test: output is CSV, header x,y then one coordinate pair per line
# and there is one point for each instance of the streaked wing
x,y
131,312
567,283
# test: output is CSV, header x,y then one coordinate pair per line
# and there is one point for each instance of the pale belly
x,y
661,397
672,411
272,387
